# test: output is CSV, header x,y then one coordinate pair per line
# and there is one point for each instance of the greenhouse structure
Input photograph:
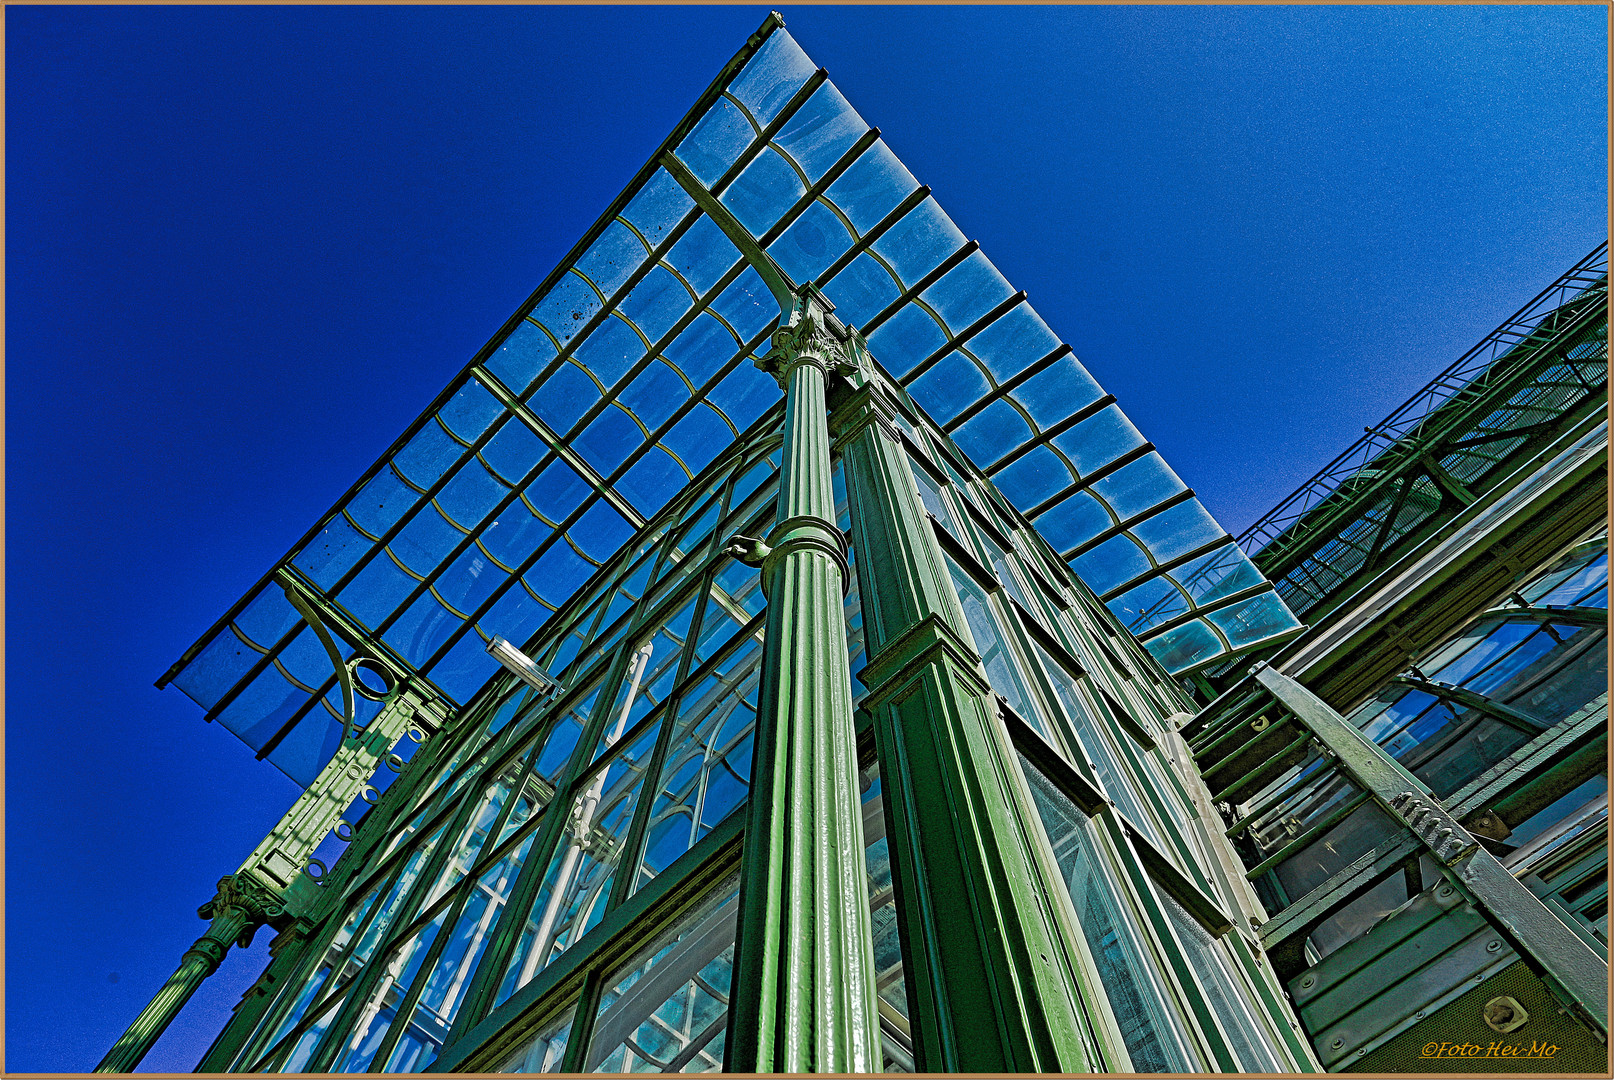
x,y
775,652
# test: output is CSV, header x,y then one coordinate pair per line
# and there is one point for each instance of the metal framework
x,y
1459,813
886,614
576,881
1498,405
628,370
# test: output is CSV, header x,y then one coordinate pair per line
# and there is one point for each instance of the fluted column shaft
x,y
803,996
237,908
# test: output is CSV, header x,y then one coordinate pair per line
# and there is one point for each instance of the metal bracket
x,y
294,596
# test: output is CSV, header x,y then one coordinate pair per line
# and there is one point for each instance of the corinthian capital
x,y
242,893
805,339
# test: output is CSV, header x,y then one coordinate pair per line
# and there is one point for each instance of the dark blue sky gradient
x,y
247,246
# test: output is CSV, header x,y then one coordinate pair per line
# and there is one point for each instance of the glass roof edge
x,y
1275,641
1259,535
774,21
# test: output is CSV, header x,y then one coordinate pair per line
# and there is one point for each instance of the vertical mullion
x,y
296,974
587,1008
336,988
622,887
365,984
490,970
401,1016
1177,963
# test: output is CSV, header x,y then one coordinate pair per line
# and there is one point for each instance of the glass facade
x,y
560,869
524,846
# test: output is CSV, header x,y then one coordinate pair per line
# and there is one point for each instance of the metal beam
x,y
988,951
1478,702
1535,931
558,446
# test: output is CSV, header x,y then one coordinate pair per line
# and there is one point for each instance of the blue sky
x,y
246,246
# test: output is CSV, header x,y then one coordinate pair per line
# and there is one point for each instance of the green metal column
x,y
286,956
987,954
239,907
803,997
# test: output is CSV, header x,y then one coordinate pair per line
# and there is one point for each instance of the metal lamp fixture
x,y
520,665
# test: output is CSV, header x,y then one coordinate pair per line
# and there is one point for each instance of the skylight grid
x,y
969,348
629,370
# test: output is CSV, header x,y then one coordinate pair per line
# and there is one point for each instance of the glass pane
x,y
891,987
652,669
930,495
450,976
1102,758
302,1051
319,984
1138,1000
1001,669
1224,988
402,964
1362,830
475,834
577,884
666,1010
707,773
544,1053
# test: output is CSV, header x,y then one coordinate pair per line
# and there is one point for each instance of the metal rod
x,y
578,840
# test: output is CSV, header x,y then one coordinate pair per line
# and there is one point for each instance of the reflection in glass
x,y
1116,782
546,1050
577,884
1136,997
1001,670
1226,991
666,1010
891,989
439,1001
707,772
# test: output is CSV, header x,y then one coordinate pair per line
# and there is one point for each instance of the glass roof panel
x,y
630,371
920,241
872,187
807,248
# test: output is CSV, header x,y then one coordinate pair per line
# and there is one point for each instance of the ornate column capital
x,y
806,339
238,908
241,891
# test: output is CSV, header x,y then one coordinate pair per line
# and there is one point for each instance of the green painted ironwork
x,y
237,910
273,885
1269,705
1532,927
961,825
803,998
1499,404
996,973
